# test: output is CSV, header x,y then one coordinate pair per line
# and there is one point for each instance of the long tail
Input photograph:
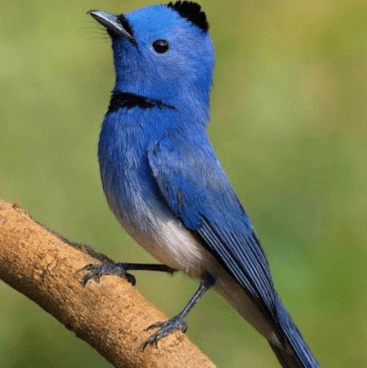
x,y
296,353
288,360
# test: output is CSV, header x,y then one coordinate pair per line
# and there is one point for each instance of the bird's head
x,y
162,52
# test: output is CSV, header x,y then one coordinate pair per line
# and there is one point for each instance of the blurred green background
x,y
289,109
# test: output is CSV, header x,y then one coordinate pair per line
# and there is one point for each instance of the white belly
x,y
172,244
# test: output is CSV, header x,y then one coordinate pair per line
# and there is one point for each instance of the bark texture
x,y
110,316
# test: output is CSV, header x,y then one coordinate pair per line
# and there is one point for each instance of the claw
x,y
165,329
155,325
96,271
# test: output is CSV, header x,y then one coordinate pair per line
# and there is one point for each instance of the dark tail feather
x,y
296,353
285,359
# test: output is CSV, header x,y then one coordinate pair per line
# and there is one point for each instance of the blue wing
x,y
199,193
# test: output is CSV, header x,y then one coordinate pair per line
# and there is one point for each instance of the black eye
x,y
160,46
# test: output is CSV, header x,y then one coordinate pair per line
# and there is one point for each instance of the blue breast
x,y
127,179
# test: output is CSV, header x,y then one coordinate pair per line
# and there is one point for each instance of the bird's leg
x,y
177,322
96,271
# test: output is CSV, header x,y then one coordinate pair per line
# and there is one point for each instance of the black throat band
x,y
120,100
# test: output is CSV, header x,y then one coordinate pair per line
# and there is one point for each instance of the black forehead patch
x,y
192,12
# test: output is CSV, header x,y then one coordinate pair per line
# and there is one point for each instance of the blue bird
x,y
164,182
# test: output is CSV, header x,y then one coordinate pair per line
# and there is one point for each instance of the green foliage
x,y
289,123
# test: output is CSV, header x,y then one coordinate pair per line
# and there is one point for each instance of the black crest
x,y
192,12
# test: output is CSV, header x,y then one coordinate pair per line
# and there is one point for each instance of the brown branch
x,y
110,316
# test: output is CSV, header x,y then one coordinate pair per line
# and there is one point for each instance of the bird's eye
x,y
160,46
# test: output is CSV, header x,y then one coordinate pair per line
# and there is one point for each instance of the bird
x,y
163,180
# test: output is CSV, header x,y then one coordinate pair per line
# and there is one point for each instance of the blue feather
x,y
162,178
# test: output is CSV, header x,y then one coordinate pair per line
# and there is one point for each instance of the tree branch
x,y
110,316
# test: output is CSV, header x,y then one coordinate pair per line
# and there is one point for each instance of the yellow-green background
x,y
289,111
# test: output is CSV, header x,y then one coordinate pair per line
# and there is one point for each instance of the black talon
x,y
96,271
177,322
165,329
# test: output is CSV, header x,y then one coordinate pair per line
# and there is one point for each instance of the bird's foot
x,y
165,329
96,271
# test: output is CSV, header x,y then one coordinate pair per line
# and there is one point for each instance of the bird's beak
x,y
111,22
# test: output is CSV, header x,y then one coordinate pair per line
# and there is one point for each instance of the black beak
x,y
112,23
